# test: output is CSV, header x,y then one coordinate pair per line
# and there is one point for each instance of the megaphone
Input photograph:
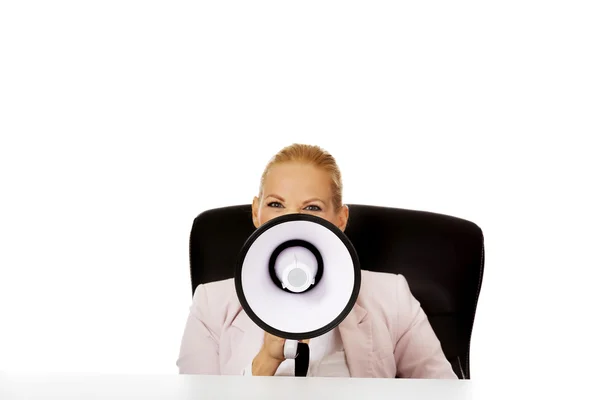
x,y
297,276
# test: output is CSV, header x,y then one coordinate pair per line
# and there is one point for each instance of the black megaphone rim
x,y
290,218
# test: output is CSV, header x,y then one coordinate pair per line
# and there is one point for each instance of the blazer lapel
x,y
357,338
245,340
242,321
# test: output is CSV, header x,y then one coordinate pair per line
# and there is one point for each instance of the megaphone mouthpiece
x,y
296,266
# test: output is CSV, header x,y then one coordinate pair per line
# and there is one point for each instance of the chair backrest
x,y
442,258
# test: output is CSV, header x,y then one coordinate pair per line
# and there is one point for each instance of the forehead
x,y
297,180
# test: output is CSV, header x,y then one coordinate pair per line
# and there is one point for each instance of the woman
x,y
386,334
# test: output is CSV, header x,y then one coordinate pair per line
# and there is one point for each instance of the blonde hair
x,y
312,155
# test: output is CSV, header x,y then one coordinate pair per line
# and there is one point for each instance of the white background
x,y
120,121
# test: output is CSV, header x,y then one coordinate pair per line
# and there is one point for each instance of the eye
x,y
275,204
313,208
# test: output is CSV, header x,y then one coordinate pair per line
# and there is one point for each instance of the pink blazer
x,y
386,334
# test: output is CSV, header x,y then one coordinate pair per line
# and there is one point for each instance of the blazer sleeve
x,y
418,351
199,350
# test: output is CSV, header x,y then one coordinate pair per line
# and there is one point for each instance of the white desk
x,y
180,387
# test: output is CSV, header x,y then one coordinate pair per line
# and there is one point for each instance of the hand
x,y
270,355
273,347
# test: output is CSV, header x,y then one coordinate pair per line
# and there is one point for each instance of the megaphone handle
x,y
302,359
290,349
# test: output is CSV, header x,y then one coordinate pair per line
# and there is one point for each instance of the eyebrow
x,y
307,201
314,199
275,196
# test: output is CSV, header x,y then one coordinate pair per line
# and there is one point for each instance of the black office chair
x,y
441,256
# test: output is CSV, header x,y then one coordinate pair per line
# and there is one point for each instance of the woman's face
x,y
297,188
